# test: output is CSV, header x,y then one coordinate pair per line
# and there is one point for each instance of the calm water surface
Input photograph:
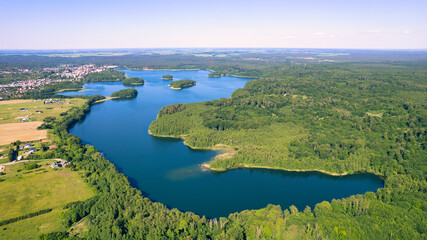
x,y
168,172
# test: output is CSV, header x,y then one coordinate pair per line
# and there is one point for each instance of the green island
x,y
129,82
125,94
339,118
181,84
167,77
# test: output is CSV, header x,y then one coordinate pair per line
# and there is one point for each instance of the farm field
x,y
13,127
39,189
28,191
26,131
31,228
10,111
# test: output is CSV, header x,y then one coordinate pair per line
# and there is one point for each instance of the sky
x,y
78,24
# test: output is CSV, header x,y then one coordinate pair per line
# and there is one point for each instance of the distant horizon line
x,y
242,48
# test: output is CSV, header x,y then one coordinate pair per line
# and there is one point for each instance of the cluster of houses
x,y
28,145
50,101
66,72
59,164
26,118
81,71
30,151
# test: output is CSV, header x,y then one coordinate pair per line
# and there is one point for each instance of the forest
x,y
180,84
341,118
105,76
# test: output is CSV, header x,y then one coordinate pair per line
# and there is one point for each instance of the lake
x,y
167,171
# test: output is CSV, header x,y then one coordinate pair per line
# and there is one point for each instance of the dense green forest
x,y
180,84
129,82
121,211
125,94
336,118
167,77
340,118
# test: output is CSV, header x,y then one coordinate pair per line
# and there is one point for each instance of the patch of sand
x,y
375,115
105,99
26,131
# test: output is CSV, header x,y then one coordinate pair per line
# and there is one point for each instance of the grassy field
x,y
10,110
25,192
31,228
28,191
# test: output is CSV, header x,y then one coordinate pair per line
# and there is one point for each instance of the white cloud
x,y
289,37
407,32
319,34
375,31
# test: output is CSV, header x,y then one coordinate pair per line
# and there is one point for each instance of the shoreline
x,y
105,99
174,88
180,88
207,166
196,69
230,151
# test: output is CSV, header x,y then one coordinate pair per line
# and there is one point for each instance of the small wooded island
x,y
180,84
125,94
167,77
133,81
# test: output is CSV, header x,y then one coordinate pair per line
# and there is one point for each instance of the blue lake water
x,y
168,171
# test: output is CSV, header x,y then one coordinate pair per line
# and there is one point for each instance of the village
x,y
63,73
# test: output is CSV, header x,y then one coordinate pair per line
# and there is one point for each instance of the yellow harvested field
x,y
15,101
26,131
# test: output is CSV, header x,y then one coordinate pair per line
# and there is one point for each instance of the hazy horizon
x,y
308,24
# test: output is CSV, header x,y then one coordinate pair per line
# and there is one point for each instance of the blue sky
x,y
60,24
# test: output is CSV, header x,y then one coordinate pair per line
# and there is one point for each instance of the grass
x,y
33,227
10,110
11,115
25,192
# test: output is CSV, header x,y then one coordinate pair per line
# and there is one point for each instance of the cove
x,y
167,171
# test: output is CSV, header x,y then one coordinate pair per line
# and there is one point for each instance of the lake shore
x,y
207,166
175,88
228,152
199,69
105,99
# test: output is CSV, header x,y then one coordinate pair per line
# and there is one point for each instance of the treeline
x,y
29,215
105,76
58,86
